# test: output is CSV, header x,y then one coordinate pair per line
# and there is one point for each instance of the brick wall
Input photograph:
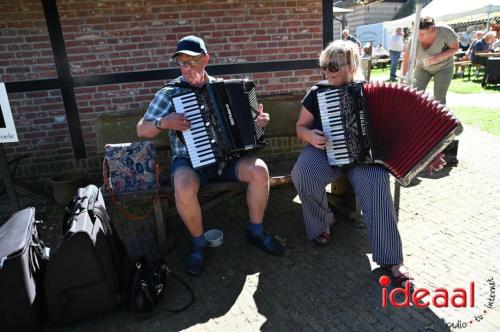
x,y
113,36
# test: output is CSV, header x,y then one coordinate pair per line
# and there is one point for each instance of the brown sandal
x,y
323,240
399,280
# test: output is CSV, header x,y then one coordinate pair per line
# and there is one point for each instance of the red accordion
x,y
387,124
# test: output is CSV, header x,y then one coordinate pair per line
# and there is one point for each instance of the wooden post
x,y
161,233
7,181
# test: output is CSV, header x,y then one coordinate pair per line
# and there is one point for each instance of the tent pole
x,y
413,55
414,40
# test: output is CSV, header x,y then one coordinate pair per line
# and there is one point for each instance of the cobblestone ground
x,y
449,227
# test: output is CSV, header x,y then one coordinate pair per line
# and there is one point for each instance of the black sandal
x,y
323,239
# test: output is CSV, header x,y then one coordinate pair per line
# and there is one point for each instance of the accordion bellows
x,y
396,126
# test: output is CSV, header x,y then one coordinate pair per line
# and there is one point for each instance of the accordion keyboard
x,y
197,140
331,120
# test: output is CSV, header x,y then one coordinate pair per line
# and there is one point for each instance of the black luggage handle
x,y
91,203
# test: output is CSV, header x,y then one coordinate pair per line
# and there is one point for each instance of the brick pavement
x,y
450,236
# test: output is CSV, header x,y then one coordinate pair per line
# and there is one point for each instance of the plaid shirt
x,y
162,105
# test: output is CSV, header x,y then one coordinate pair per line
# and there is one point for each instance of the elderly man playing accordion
x,y
192,58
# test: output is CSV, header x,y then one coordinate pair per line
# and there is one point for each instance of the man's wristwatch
x,y
157,123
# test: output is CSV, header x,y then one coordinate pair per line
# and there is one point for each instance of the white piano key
x,y
196,138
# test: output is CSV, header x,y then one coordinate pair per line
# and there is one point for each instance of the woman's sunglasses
x,y
333,66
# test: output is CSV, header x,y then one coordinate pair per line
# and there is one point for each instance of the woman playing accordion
x,y
316,166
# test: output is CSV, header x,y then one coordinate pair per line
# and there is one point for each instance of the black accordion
x,y
391,125
223,121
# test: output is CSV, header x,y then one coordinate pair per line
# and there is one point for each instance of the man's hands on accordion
x,y
436,164
177,121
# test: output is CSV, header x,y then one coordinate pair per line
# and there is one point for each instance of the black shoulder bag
x,y
149,284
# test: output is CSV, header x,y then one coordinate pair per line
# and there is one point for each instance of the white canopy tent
x,y
443,11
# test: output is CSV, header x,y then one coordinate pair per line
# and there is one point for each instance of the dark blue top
x,y
353,39
310,102
480,45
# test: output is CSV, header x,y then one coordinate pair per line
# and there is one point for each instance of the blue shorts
x,y
207,174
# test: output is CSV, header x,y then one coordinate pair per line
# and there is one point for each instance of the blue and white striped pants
x,y
312,173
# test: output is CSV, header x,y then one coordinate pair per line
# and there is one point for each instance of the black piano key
x,y
198,130
207,160
206,154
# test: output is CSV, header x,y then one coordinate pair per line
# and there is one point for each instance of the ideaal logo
x,y
439,298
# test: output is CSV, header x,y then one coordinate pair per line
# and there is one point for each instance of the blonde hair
x,y
345,54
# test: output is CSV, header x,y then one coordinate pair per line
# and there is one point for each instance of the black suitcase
x,y
82,278
22,262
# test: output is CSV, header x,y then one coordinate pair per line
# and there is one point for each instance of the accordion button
x,y
207,124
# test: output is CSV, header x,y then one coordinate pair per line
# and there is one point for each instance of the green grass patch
x,y
458,85
380,74
487,119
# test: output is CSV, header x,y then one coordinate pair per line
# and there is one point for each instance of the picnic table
x,y
488,54
492,71
380,62
459,54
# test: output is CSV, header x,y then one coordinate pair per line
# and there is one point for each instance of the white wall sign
x,y
371,33
7,127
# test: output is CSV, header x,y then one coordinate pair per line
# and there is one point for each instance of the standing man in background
x,y
347,36
396,46
436,45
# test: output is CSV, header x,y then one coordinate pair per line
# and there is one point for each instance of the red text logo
x,y
440,297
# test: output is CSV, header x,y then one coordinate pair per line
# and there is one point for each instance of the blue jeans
x,y
394,63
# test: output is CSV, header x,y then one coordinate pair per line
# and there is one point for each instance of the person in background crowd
x,y
380,52
192,58
347,36
396,46
496,46
365,61
484,45
465,39
495,27
434,59
478,36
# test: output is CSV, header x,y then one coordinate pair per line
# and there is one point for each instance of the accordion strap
x,y
129,216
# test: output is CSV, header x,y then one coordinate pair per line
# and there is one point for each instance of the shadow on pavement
x,y
310,288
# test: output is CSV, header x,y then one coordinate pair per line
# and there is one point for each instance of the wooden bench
x,y
465,66
280,155
343,199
